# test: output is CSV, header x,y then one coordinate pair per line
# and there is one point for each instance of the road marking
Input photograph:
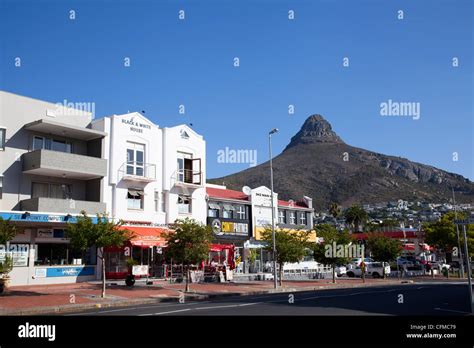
x,y
450,310
137,308
228,306
160,313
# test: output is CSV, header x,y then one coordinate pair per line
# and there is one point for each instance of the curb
x,y
190,296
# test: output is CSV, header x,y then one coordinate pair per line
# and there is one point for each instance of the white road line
x,y
137,308
228,306
160,313
450,310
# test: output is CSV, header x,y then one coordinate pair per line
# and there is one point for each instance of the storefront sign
x,y
45,233
219,227
40,272
19,253
32,217
69,271
141,270
136,126
262,199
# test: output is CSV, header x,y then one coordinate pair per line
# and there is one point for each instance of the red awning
x,y
411,247
147,236
220,247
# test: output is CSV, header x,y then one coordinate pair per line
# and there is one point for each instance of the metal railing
x,y
137,170
189,176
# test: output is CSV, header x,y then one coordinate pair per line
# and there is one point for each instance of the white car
x,y
341,270
374,269
356,262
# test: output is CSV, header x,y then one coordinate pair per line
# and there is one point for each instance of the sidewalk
x,y
32,300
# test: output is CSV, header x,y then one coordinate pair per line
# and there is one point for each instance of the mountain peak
x,y
315,130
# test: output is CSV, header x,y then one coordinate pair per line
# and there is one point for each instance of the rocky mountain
x,y
319,164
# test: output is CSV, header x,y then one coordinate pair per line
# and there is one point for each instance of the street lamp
x,y
275,284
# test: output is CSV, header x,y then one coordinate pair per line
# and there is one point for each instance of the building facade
x,y
155,176
240,217
51,168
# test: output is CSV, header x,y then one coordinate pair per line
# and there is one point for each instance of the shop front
x,y
142,256
41,252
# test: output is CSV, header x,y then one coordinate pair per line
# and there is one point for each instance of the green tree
x,y
189,244
442,234
324,252
355,217
290,246
335,211
85,234
7,231
383,248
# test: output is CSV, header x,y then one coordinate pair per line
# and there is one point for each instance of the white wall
x,y
161,149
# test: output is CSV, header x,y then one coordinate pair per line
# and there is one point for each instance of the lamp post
x,y
275,283
461,264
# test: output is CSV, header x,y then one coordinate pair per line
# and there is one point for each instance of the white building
x,y
155,175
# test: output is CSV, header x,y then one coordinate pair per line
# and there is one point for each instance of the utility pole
x,y
275,273
461,264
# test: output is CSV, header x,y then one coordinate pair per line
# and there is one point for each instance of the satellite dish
x,y
247,190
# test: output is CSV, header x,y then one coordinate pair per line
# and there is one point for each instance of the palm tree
x,y
355,216
335,211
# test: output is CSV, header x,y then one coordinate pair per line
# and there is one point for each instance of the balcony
x,y
64,164
137,172
67,206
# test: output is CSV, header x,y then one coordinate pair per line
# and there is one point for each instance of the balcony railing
x,y
56,205
188,176
137,171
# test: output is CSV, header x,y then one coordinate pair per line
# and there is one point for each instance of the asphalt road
x,y
405,299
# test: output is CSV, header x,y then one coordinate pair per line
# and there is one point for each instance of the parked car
x,y
374,269
439,265
356,262
341,270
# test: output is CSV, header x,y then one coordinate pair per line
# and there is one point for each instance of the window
x,y
3,133
135,199
213,210
51,254
184,204
303,218
292,217
1,186
281,217
40,142
185,167
135,159
241,212
47,190
228,211
162,202
157,201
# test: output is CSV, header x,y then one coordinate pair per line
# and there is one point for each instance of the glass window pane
x,y
59,145
130,170
47,144
38,143
139,155
2,138
130,156
40,190
139,171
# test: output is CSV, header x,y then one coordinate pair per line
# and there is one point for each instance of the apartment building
x,y
155,176
51,168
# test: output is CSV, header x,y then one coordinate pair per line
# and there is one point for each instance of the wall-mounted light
x,y
67,217
25,215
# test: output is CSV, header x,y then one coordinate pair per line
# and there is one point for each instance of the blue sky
x,y
282,62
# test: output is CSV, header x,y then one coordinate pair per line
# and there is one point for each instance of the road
x,y
404,299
